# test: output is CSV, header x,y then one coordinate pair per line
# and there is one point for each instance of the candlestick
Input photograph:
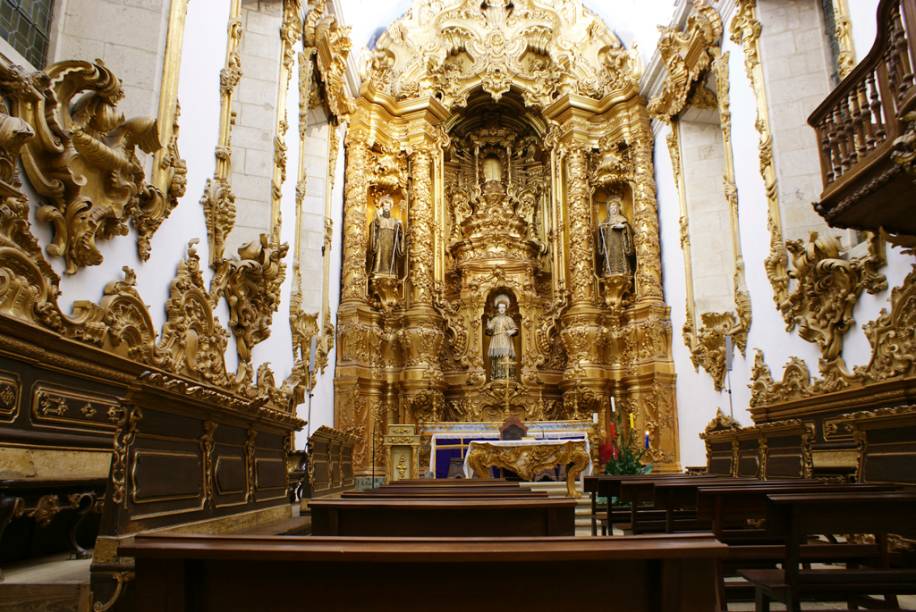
x,y
647,440
632,421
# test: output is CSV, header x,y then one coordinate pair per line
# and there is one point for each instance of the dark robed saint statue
x,y
615,242
386,240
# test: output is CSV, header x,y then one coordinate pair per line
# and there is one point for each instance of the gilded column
x,y
355,200
421,227
581,247
645,213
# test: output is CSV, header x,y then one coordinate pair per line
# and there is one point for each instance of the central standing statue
x,y
615,242
386,240
502,348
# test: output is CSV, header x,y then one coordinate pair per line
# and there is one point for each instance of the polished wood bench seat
x,y
229,574
794,516
443,517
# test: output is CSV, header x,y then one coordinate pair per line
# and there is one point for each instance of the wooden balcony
x,y
866,129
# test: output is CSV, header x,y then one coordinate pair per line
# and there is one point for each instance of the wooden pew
x,y
443,517
736,515
467,493
608,486
642,491
794,516
234,574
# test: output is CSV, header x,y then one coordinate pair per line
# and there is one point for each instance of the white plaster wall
x,y
128,36
322,412
796,65
712,256
697,399
863,14
255,106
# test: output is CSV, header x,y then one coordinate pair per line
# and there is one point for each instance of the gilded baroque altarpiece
x,y
494,137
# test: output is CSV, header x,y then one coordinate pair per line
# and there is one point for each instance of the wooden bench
x,y
229,574
794,516
608,486
443,517
444,494
737,517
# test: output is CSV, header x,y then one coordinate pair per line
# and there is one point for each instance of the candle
x,y
647,440
613,407
632,421
595,418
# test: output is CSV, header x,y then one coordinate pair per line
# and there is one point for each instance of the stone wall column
x,y
356,198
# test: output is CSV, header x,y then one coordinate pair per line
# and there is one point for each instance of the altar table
x,y
529,457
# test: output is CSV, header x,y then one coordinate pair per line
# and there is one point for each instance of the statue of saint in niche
x,y
502,348
615,242
492,169
386,240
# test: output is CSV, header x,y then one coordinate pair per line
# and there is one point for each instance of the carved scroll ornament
x,y
686,55
251,285
829,282
892,337
83,163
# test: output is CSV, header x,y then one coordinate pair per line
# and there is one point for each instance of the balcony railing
x,y
858,125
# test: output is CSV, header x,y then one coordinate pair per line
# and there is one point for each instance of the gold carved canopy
x,y
507,144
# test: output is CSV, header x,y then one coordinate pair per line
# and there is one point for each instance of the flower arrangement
x,y
620,453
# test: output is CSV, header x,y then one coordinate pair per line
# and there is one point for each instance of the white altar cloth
x,y
534,442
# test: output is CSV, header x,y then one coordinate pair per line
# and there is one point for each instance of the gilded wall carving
x,y
84,162
495,134
218,199
193,341
251,285
893,355
807,291
692,59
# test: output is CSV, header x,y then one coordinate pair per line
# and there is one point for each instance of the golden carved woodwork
x,y
904,154
842,34
493,155
83,162
528,460
687,55
251,285
893,355
706,341
169,174
218,199
331,42
193,342
485,46
827,282
402,448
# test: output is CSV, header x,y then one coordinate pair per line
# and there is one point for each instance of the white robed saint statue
x,y
502,348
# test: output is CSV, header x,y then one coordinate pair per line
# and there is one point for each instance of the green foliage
x,y
622,453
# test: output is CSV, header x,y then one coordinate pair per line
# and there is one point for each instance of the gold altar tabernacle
x,y
500,240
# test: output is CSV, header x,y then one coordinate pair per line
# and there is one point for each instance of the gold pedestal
x,y
528,460
402,445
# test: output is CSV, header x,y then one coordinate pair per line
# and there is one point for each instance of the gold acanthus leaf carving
x,y
496,46
331,40
251,285
155,208
709,352
686,55
84,164
828,283
828,286
193,341
893,355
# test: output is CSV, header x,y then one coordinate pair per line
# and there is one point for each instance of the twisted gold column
x,y
355,201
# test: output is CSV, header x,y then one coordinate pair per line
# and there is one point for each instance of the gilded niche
x,y
84,162
495,132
